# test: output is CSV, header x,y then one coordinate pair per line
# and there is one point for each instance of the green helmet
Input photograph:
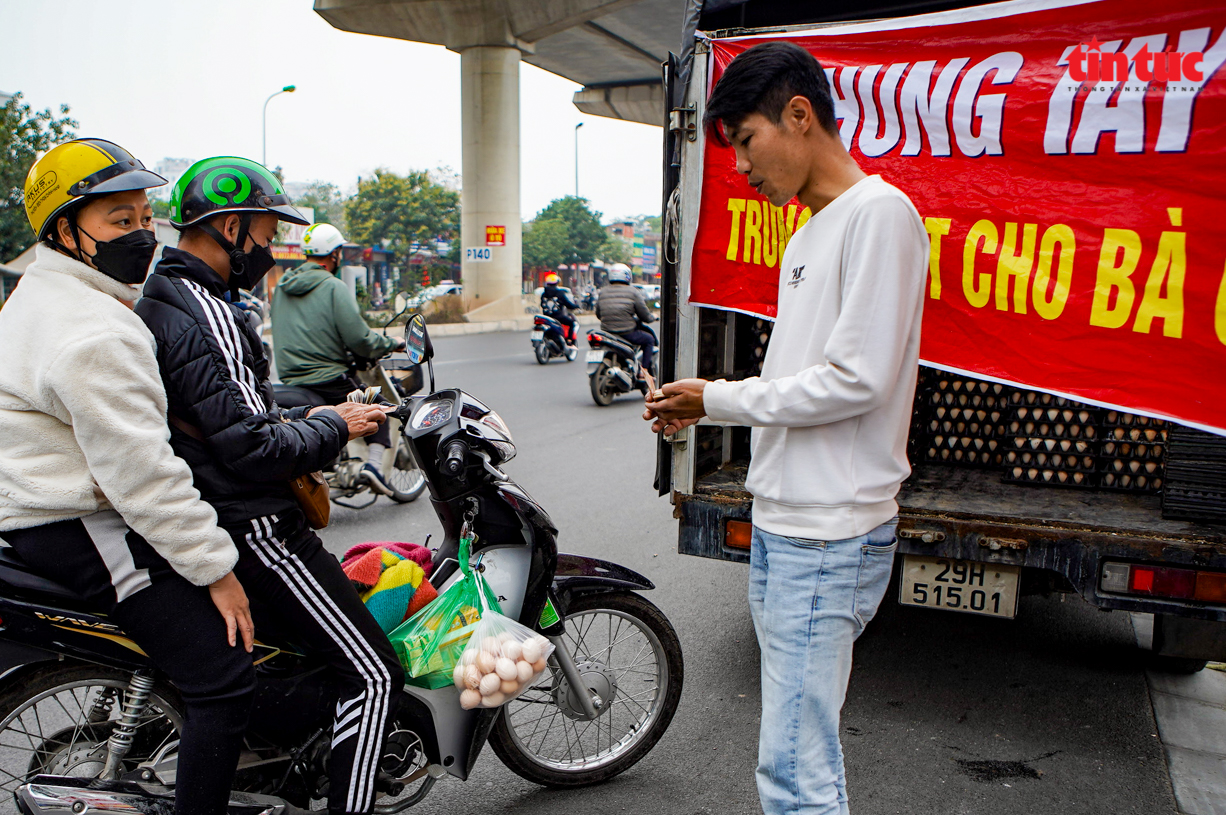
x,y
229,184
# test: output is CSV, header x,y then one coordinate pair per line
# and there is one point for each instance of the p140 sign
x,y
1069,161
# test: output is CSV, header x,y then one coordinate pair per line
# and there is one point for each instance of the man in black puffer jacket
x,y
243,450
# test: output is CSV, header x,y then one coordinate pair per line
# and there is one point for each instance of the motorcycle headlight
x,y
496,432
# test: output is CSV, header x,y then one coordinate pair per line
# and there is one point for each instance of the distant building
x,y
172,169
644,247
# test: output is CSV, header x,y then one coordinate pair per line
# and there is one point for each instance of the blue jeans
x,y
809,601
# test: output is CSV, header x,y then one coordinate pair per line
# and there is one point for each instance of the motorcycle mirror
x,y
418,346
400,302
417,340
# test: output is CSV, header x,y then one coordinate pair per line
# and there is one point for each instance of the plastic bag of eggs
x,y
501,661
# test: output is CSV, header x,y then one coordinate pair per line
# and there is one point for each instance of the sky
x,y
188,78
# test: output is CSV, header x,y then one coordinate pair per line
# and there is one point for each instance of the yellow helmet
x,y
75,171
552,277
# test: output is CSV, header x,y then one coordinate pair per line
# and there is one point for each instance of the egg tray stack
x,y
1195,486
761,339
1133,452
958,420
1051,440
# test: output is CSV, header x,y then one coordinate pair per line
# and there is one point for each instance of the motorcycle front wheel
x,y
57,719
407,482
602,385
628,654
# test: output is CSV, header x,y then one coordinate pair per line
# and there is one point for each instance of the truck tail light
x,y
1163,581
1158,581
738,534
1211,587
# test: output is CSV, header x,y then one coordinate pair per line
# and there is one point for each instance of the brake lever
x,y
498,474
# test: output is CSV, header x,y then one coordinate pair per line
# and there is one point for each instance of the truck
x,y
1014,490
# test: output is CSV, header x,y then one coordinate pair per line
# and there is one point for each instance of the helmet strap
x,y
78,253
238,258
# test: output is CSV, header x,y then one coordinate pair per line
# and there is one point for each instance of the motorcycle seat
x,y
289,396
16,573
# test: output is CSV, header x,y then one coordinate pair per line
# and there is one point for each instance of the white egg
x,y
504,636
511,649
530,651
470,699
472,676
489,684
469,656
492,645
457,675
493,700
509,686
486,662
540,665
505,668
524,671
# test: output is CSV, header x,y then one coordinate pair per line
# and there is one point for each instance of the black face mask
x,y
246,268
252,267
126,258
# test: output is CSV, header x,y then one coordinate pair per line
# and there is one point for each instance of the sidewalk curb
x,y
1190,713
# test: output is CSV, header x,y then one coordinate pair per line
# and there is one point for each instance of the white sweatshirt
x,y
832,407
83,418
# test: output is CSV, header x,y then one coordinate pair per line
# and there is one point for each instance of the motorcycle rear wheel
x,y
626,646
542,352
57,719
602,386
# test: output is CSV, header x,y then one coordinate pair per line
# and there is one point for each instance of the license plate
x,y
595,356
959,585
537,336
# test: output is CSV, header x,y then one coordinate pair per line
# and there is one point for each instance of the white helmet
x,y
321,240
619,273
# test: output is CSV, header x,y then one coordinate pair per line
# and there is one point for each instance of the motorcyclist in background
x,y
317,326
623,310
557,303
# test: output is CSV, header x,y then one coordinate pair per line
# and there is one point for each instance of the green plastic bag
x,y
429,643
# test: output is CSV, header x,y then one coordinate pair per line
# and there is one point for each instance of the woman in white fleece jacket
x,y
91,494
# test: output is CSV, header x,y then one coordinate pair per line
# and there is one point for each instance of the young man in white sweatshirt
x,y
830,411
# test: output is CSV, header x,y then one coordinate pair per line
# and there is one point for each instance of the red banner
x,y
1070,165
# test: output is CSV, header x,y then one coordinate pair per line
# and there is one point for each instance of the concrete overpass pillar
x,y
489,93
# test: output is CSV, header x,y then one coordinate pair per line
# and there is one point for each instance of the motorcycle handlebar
x,y
453,458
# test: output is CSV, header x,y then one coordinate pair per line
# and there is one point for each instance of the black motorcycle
x,y
87,722
615,366
549,340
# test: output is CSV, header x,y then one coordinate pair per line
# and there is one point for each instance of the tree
x,y
327,202
404,213
585,235
24,136
614,250
546,244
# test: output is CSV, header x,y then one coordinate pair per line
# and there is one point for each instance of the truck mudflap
x,y
1073,553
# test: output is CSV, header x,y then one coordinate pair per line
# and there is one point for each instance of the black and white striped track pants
x,y
285,569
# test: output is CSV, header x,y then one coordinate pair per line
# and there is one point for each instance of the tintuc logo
x,y
1089,63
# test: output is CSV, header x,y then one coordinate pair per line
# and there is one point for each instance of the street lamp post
x,y
577,158
286,89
